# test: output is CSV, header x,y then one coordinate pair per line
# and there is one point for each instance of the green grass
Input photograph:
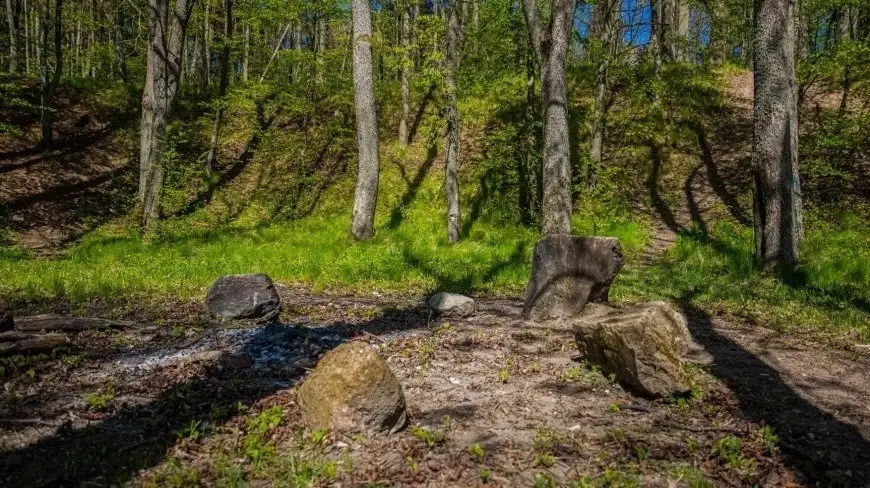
x,y
410,252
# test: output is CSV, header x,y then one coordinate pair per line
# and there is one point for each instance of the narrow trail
x,y
722,172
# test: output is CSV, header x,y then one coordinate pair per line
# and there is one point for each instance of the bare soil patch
x,y
516,389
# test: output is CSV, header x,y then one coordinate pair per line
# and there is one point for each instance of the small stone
x,y
568,272
642,345
248,296
353,390
452,304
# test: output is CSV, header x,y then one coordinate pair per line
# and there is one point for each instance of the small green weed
x,y
544,459
728,449
430,437
641,452
769,439
691,476
193,431
476,450
544,480
98,401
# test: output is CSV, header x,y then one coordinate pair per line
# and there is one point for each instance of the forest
x,y
435,243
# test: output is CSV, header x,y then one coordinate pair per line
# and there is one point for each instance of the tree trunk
x,y
49,83
201,65
222,87
120,55
656,39
163,71
848,32
605,29
365,200
275,52
451,178
777,202
12,12
682,46
405,34
246,53
550,50
26,18
319,48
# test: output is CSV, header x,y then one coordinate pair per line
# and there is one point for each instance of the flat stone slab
x,y
568,272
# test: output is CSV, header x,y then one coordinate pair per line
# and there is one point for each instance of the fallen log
x,y
54,323
13,342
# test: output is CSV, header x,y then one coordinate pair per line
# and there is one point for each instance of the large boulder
x,y
353,390
6,322
642,345
569,271
451,304
247,296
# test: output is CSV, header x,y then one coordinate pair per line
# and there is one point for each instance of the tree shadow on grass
x,y
658,202
715,178
110,452
815,443
236,168
465,281
397,214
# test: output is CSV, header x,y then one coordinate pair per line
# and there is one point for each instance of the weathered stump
x,y
568,272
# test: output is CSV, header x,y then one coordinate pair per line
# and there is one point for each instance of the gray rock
x,y
642,345
452,304
353,390
6,322
248,296
569,271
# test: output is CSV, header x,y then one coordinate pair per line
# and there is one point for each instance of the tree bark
x,y
550,49
405,35
320,38
275,52
222,87
365,199
26,18
246,53
681,24
48,83
12,15
777,203
201,65
165,47
120,55
451,165
605,30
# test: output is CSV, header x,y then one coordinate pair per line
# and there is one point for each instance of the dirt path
x,y
515,388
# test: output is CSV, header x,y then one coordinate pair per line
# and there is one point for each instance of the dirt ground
x,y
538,412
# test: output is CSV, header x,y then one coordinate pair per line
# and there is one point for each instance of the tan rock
x,y
353,390
642,345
